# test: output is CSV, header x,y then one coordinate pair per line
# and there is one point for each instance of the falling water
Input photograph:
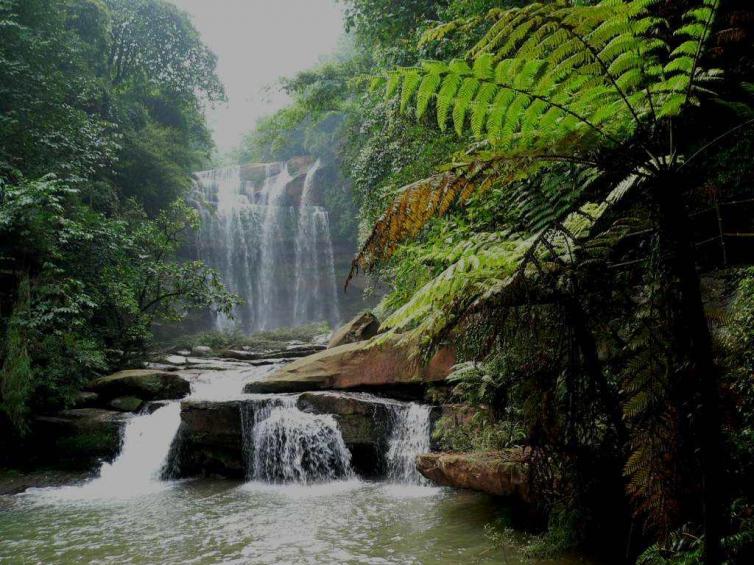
x,y
275,252
315,265
409,437
137,469
285,445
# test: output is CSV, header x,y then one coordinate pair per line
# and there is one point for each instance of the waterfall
x,y
283,444
410,436
271,247
315,265
138,468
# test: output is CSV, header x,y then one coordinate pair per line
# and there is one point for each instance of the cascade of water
x,y
228,237
316,292
246,234
270,294
284,444
410,436
138,468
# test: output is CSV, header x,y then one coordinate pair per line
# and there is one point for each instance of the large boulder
x,y
209,440
364,365
363,326
500,473
78,437
364,422
146,384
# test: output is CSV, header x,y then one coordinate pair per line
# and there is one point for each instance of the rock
x,y
151,407
162,367
500,473
321,339
79,437
85,399
209,440
363,326
175,359
183,352
126,404
146,384
361,365
201,350
287,353
364,422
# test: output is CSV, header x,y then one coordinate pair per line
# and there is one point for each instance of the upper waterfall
x,y
263,230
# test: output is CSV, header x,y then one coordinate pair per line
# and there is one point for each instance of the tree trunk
x,y
693,339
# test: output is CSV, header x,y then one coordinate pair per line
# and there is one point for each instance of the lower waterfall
x,y
410,436
138,468
282,444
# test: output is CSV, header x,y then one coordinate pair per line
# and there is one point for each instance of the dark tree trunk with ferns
x,y
694,344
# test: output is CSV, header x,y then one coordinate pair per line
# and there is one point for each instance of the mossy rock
x,y
126,403
146,384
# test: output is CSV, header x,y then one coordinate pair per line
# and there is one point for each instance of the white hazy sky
x,y
257,42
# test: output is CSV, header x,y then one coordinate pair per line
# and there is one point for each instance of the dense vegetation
x,y
579,233
101,124
560,190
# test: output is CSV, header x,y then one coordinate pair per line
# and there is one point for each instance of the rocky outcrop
x,y
126,404
211,437
364,422
78,437
364,326
146,384
209,440
357,366
290,352
500,473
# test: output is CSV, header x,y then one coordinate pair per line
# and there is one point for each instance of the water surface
x,y
217,521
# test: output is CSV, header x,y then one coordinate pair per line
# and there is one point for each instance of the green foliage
x,y
101,120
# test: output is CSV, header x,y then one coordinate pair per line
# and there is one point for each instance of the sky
x,y
258,42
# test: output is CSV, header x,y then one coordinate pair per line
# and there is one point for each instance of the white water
x,y
276,254
270,293
285,445
409,437
137,470
315,264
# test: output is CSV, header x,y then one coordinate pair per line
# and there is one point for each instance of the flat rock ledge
x,y
499,473
145,384
364,365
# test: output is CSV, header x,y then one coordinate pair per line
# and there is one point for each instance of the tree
x,y
611,90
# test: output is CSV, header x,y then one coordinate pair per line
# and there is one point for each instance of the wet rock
x,y
321,339
183,352
146,384
151,407
364,422
209,440
360,366
287,353
79,437
201,350
175,359
86,399
363,326
126,404
500,473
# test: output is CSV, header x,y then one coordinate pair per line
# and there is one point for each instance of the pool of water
x,y
219,521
